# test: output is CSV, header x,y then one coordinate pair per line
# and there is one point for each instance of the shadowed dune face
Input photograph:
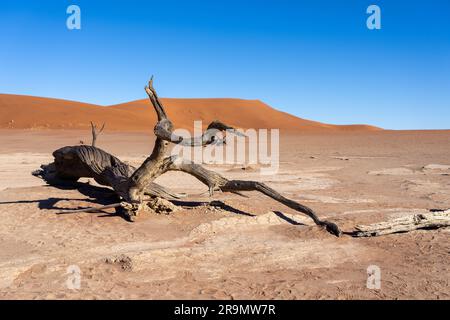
x,y
28,112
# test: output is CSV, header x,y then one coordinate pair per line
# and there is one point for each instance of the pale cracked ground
x,y
247,248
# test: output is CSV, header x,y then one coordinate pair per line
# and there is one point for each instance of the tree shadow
x,y
94,194
102,195
214,203
98,195
49,203
287,219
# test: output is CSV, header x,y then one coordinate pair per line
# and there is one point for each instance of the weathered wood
x,y
138,191
207,137
149,169
136,186
74,162
96,132
216,182
427,220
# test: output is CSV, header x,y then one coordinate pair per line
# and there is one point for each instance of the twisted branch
x,y
136,186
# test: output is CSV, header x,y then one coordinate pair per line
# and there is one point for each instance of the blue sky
x,y
315,59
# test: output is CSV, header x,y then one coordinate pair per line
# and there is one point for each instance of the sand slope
x,y
28,112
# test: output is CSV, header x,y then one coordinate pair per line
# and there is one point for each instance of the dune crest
x,y
29,112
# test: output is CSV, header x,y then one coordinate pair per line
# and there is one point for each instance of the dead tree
x,y
96,132
135,187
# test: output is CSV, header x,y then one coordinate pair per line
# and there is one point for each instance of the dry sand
x,y
246,248
28,112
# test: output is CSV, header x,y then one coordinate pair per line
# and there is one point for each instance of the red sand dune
x,y
28,112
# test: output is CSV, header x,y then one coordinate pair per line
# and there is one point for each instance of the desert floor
x,y
244,248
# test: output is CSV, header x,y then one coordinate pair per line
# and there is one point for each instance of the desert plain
x,y
224,246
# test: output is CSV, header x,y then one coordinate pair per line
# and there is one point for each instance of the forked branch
x,y
96,132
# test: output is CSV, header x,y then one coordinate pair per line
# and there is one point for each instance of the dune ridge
x,y
30,112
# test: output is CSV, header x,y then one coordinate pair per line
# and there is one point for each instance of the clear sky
x,y
315,59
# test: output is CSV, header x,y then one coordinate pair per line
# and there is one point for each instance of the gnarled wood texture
x,y
136,187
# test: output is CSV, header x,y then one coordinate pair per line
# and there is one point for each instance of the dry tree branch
x,y
156,165
135,186
208,137
96,132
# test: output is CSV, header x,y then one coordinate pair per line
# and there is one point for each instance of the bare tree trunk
x,y
136,186
136,189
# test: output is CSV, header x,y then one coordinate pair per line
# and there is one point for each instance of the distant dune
x,y
28,112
